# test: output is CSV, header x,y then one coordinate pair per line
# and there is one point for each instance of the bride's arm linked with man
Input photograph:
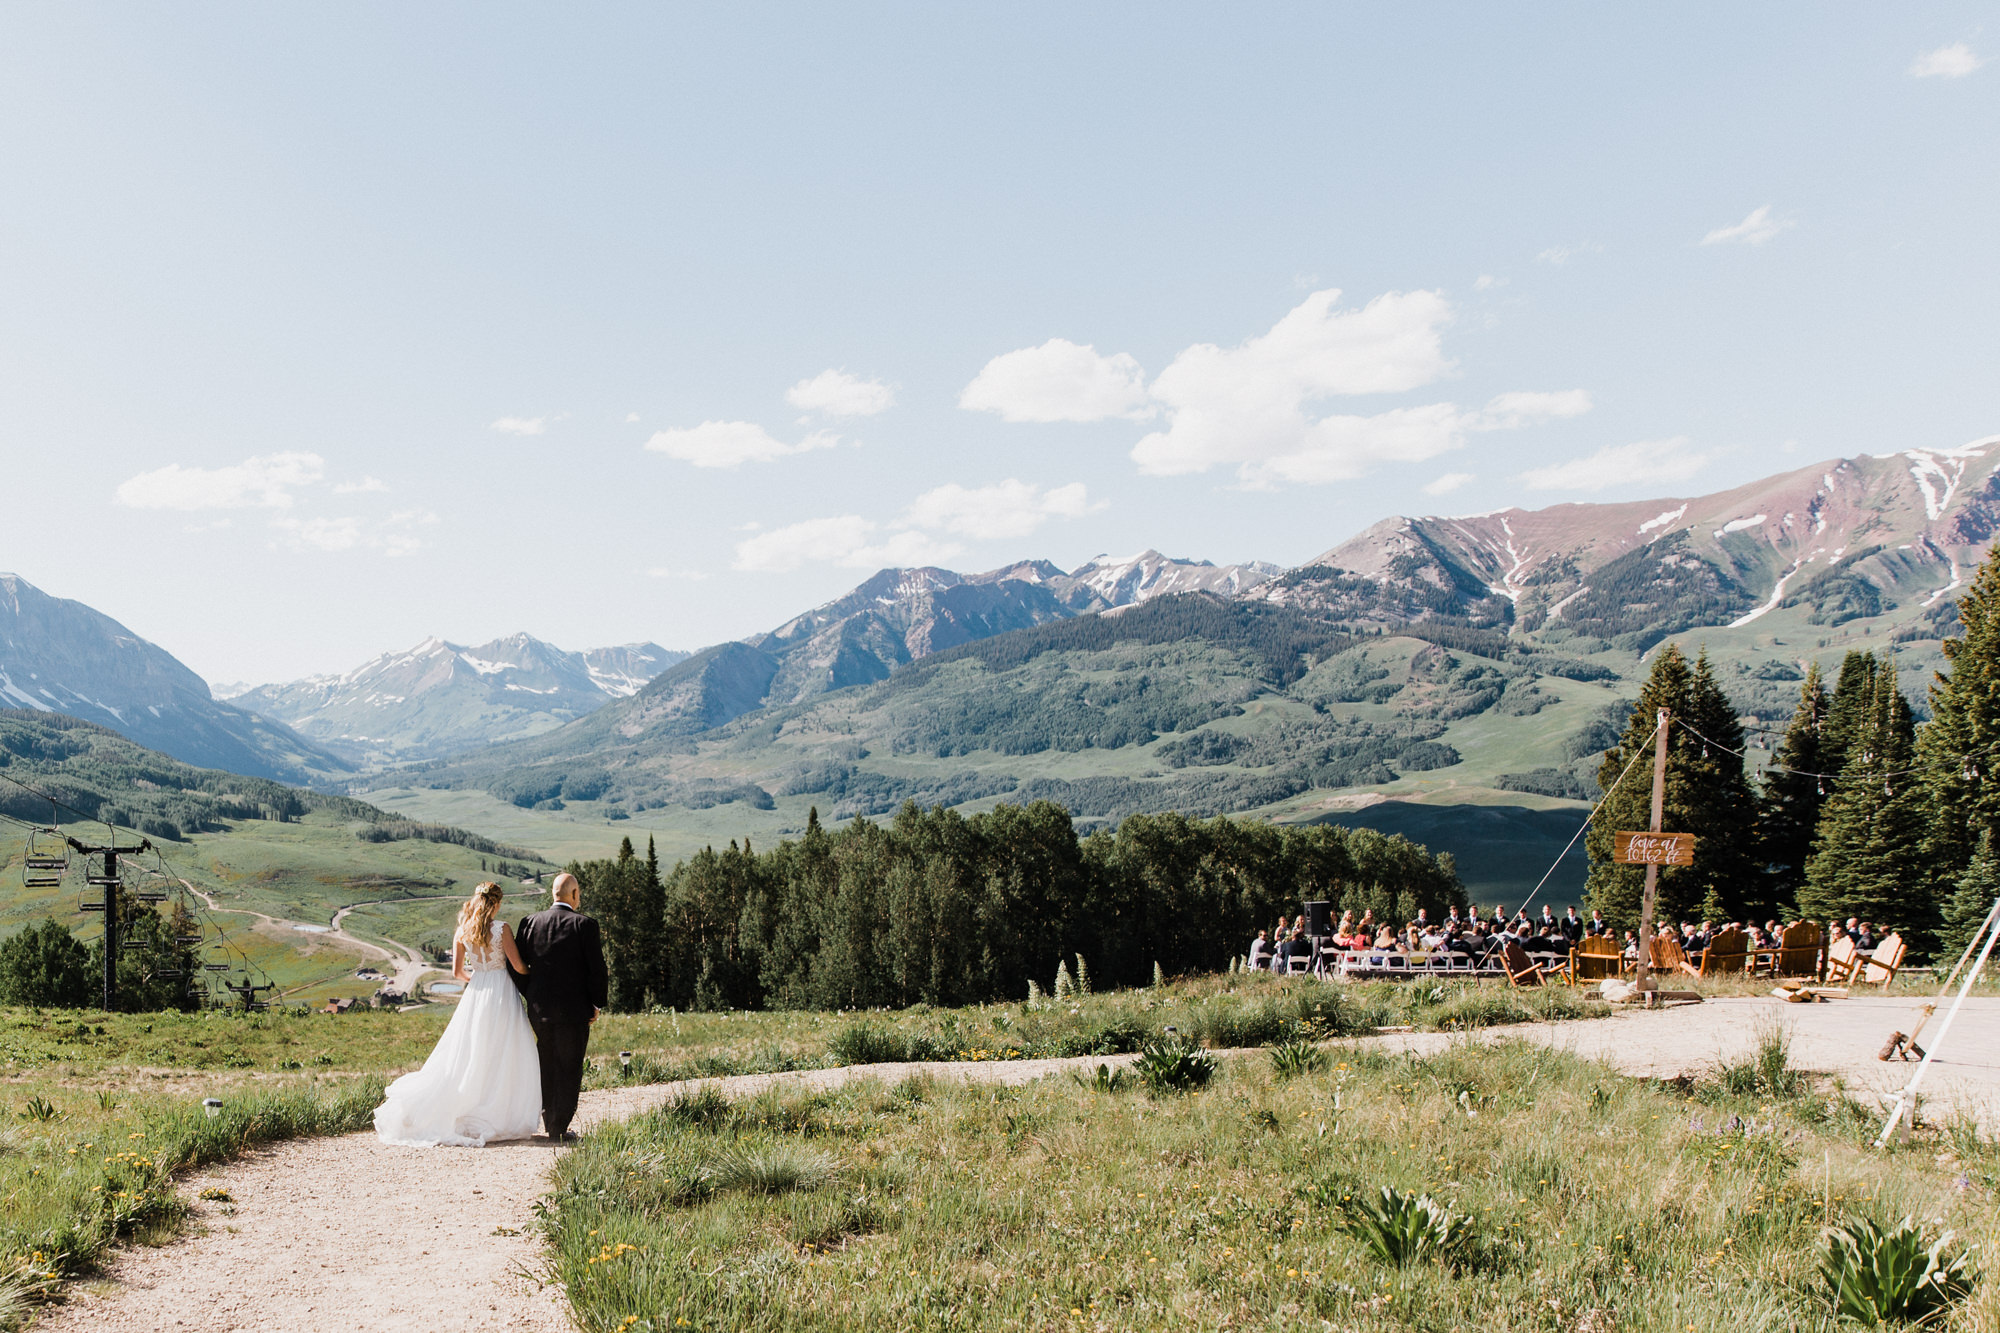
x,y
513,1050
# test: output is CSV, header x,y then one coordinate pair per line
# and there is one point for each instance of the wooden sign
x,y
1655,849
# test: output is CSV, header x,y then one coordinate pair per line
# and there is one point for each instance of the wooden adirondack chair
x,y
1595,958
1879,967
1798,950
1841,957
1667,955
1727,953
1521,970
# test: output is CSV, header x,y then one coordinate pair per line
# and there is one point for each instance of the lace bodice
x,y
492,958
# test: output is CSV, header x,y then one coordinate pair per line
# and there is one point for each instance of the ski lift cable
x,y
1637,755
1786,768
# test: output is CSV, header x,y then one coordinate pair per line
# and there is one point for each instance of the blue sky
x,y
325,329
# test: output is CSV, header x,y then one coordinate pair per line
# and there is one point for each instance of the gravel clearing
x,y
347,1233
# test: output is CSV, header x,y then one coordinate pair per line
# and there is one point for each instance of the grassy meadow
x,y
100,1112
1586,1201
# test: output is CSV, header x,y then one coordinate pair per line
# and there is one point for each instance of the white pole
x,y
1908,1096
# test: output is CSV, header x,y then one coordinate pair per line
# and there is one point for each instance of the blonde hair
x,y
475,918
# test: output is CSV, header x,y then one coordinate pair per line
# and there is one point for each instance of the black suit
x,y
566,987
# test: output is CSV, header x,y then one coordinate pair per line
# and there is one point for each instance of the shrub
x,y
1297,1056
1174,1065
1106,1079
1877,1275
871,1044
1401,1229
778,1168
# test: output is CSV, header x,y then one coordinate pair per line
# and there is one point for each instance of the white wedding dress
x,y
482,1081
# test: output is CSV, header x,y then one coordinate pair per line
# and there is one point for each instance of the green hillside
x,y
267,857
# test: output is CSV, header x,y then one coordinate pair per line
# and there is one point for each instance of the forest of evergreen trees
x,y
1859,813
943,908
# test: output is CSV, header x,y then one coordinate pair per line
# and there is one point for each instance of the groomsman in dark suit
x,y
1572,927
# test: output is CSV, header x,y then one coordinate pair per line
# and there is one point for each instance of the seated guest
x,y
1864,938
1632,945
1260,953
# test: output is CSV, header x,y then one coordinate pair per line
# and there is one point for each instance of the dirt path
x,y
406,964
347,1233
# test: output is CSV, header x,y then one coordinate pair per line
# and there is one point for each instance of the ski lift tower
x,y
108,883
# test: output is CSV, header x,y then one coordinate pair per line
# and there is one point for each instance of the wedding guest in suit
x,y
1571,926
1260,953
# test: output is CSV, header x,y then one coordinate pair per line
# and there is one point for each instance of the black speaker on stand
x,y
1319,919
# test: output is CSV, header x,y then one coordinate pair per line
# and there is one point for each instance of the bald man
x,y
567,985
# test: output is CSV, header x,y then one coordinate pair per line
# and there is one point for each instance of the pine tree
x,y
1867,859
1958,747
1971,899
1847,711
1788,809
1706,794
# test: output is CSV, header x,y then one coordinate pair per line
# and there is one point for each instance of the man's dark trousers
x,y
566,986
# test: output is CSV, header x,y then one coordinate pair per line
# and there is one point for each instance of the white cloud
x,y
365,486
1486,282
319,534
1058,381
1247,405
392,536
520,425
1448,483
1646,463
266,482
1005,509
1755,229
835,393
631,417
731,444
1510,411
847,540
1947,62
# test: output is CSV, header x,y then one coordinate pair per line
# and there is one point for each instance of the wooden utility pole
x,y
1645,979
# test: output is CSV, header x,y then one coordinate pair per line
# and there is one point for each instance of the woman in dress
x,y
482,1081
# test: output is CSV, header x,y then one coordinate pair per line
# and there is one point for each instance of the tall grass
x,y
1580,1200
80,1183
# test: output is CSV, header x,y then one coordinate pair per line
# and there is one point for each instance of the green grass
x,y
1594,1202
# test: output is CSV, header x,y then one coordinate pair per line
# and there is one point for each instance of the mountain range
x,y
441,698
60,656
1432,658
1477,663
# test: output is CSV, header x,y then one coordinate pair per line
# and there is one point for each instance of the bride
x,y
482,1081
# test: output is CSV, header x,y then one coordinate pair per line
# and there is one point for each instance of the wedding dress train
x,y
482,1081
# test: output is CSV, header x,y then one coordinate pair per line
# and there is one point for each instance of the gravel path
x,y
348,1233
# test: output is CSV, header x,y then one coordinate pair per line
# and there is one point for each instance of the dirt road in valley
x,y
406,965
347,1233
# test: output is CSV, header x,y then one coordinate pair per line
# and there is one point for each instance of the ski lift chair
x,y
46,860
